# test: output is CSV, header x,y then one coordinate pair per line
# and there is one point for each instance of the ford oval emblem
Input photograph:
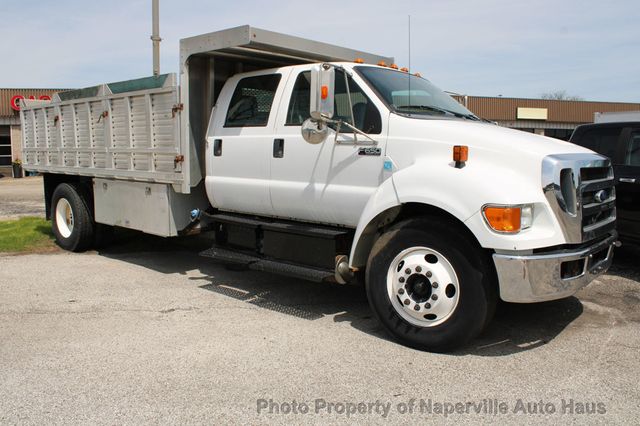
x,y
600,196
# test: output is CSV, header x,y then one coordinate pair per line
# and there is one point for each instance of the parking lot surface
x,y
146,331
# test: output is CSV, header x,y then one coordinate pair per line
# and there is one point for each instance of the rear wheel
x,y
428,286
71,219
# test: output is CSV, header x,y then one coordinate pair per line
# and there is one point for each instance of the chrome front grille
x,y
598,195
580,190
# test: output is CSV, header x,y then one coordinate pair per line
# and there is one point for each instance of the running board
x,y
261,264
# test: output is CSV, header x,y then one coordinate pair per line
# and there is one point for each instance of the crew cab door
x,y
329,182
627,171
239,142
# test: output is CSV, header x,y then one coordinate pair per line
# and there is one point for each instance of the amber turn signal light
x,y
460,153
502,218
324,92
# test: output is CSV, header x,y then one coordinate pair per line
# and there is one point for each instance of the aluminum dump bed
x,y
124,130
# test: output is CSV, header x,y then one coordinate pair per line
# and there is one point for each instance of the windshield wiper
x,y
438,109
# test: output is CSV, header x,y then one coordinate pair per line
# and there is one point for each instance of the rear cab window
x,y
603,140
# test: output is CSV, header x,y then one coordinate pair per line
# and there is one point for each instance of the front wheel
x,y
428,286
71,219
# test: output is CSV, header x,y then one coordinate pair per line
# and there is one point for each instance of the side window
x,y
632,154
366,115
603,141
252,100
300,100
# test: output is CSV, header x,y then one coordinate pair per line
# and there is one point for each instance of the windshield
x,y
406,93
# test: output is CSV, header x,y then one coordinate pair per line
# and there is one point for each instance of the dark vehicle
x,y
621,143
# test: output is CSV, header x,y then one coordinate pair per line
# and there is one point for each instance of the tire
x,y
71,219
429,286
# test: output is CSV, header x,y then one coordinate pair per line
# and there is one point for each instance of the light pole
x,y
155,35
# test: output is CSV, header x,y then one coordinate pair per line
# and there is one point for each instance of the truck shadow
x,y
625,262
515,328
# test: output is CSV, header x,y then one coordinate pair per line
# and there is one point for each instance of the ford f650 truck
x,y
329,164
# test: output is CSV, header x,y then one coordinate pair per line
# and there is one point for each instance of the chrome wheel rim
x,y
423,286
64,217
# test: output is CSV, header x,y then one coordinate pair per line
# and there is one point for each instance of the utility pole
x,y
155,35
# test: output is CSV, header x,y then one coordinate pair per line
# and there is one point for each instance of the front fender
x,y
461,192
385,204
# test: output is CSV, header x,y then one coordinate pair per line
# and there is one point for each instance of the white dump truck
x,y
329,164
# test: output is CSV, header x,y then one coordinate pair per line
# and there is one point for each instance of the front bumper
x,y
553,275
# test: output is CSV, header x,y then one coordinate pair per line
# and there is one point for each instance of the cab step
x,y
257,263
287,242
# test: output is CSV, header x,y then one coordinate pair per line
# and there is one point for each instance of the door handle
x,y
217,147
627,180
278,148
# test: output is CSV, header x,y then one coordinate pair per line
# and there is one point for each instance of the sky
x,y
589,49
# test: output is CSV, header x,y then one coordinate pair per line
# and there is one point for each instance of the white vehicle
x,y
307,162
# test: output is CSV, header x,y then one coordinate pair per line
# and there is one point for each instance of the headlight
x,y
508,219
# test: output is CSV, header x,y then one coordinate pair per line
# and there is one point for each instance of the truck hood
x,y
504,165
480,136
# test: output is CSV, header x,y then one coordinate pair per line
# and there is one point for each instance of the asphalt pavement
x,y
146,331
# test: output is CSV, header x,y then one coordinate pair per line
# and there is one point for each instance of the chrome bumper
x,y
554,275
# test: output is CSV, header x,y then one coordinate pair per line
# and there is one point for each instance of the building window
x,y
5,147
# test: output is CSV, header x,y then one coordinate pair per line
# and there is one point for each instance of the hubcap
x,y
64,217
423,286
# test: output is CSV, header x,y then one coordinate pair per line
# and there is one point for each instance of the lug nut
x,y
417,307
401,279
418,269
429,274
434,285
427,305
407,271
407,301
401,291
434,297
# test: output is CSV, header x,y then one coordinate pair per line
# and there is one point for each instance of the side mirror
x,y
322,91
314,131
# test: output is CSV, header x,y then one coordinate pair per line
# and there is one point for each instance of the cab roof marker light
x,y
358,61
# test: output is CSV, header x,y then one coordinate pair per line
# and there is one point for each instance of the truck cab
x,y
324,163
385,171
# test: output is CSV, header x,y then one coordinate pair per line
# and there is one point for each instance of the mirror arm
x,y
359,132
356,131
353,120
